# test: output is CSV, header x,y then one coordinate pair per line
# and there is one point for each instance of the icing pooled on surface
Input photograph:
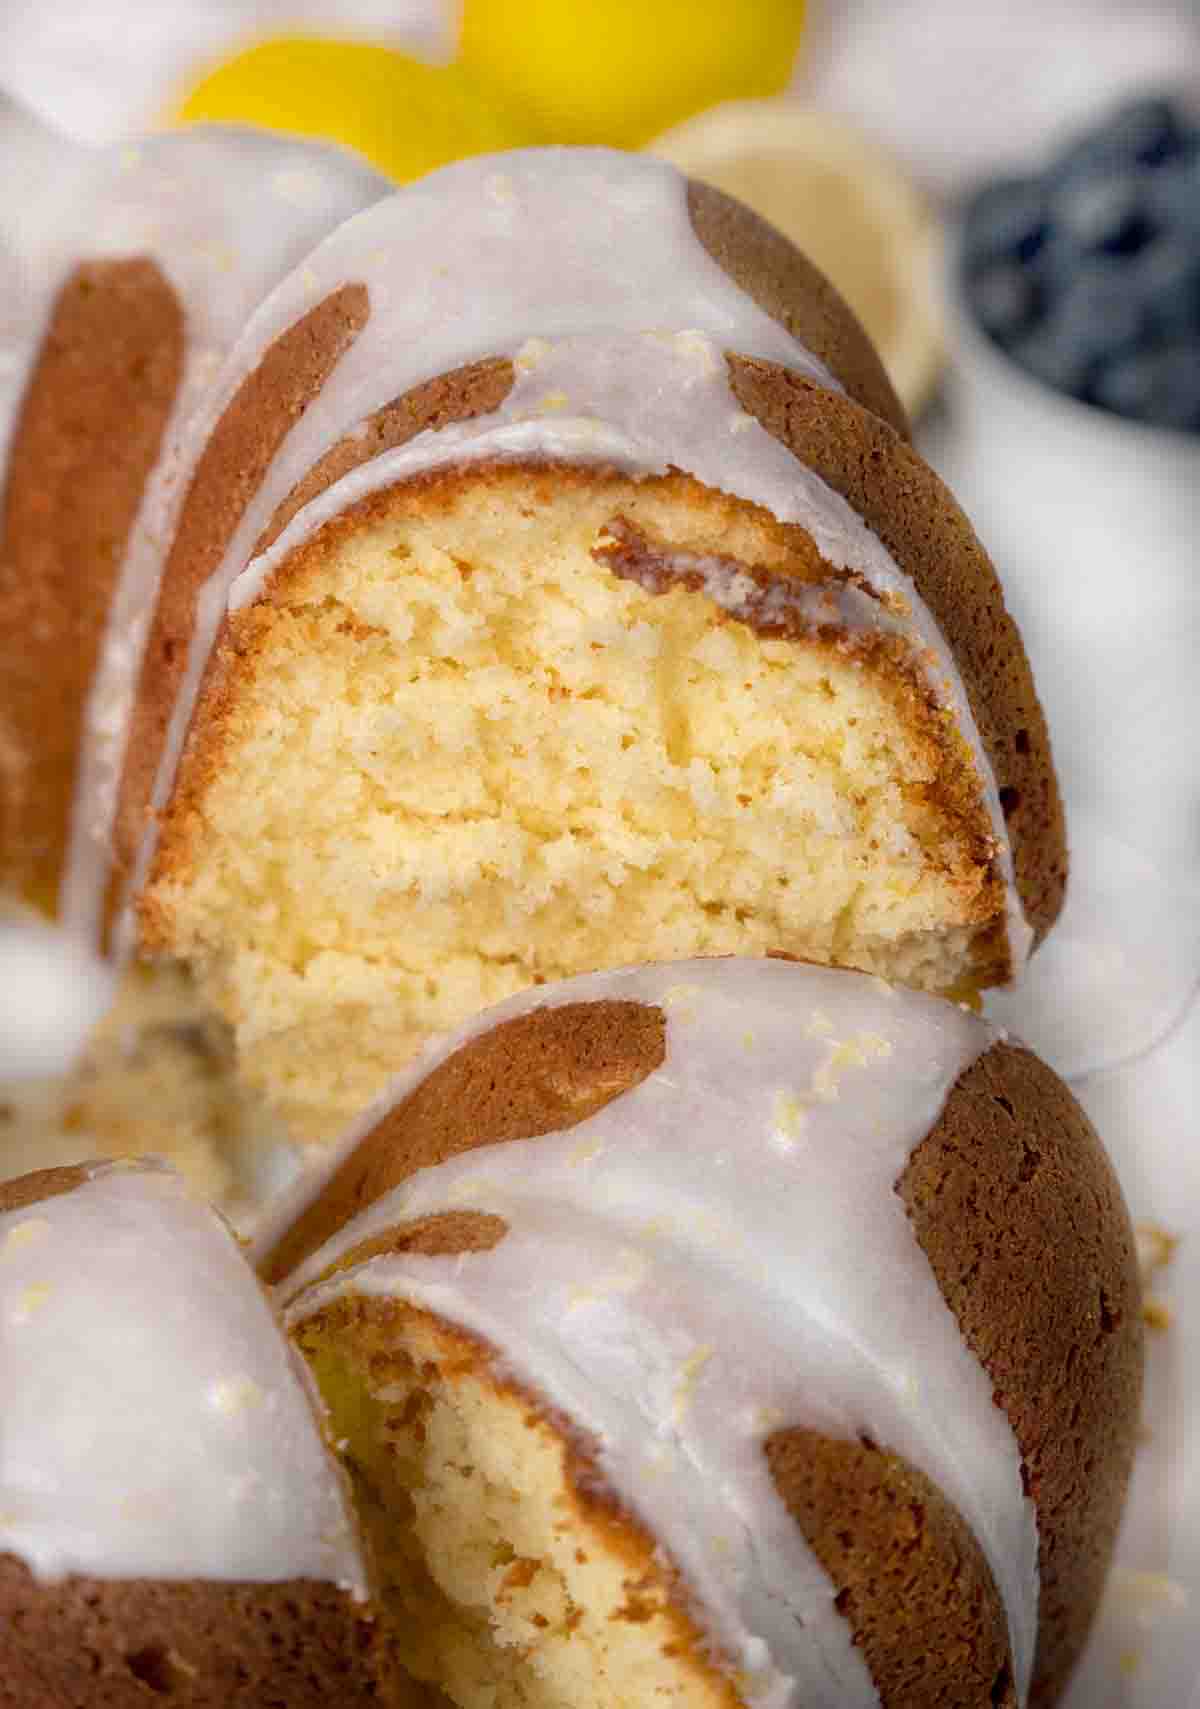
x,y
225,212
718,1254
582,266
153,1420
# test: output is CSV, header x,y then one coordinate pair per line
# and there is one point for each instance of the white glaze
x,y
53,990
720,1253
154,1423
47,166
225,212
583,266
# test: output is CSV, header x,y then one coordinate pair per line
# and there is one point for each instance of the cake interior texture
x,y
500,1583
457,750
157,1077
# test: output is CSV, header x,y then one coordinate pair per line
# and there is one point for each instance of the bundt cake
x,y
171,1521
555,588
731,1332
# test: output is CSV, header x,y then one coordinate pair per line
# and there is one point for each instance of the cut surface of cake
x,y
693,1335
567,600
171,1520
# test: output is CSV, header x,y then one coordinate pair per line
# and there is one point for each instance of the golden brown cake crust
x,y
230,470
87,436
81,1643
572,1061
907,1568
1017,1208
1012,1199
785,284
901,500
31,1189
477,389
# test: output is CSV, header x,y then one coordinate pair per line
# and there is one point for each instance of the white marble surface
x,y
1096,532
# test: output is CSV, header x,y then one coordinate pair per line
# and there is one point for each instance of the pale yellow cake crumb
x,y
465,756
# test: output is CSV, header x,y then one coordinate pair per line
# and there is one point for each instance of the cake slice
x,y
593,608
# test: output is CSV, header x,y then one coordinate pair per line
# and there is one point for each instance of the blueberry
x,y
1057,365
1005,299
1090,276
1173,192
1160,386
1166,280
1094,319
1107,214
1057,263
1143,133
1148,130
1006,221
1098,312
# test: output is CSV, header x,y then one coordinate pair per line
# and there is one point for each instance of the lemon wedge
x,y
405,116
845,203
617,71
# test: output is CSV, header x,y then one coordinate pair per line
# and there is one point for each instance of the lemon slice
x,y
845,204
618,71
405,116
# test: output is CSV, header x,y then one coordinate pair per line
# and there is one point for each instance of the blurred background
x,y
1008,193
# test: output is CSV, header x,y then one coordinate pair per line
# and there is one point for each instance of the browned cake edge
x,y
230,470
25,1190
525,1077
904,503
87,436
1016,1205
912,1580
785,284
86,1643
